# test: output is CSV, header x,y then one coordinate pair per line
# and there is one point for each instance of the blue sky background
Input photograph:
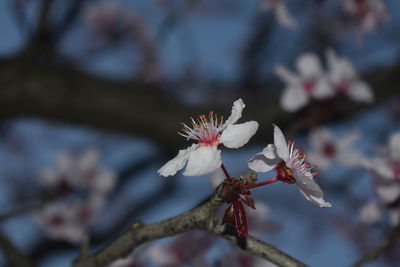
x,y
308,233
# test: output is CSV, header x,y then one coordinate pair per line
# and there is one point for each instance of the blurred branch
x,y
201,217
67,94
253,54
13,256
44,17
373,254
69,18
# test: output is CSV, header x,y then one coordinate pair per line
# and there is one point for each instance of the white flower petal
x,y
388,192
309,66
394,147
177,163
88,160
283,16
105,182
361,92
236,112
204,160
237,135
293,99
323,89
370,213
340,69
319,137
264,161
48,177
65,163
162,255
310,190
287,76
282,148
394,217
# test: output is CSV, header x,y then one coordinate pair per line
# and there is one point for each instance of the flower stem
x,y
262,183
226,173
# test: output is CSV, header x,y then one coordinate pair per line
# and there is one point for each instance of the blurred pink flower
x,y
370,14
183,249
205,157
310,82
345,79
290,166
79,172
386,179
66,221
326,149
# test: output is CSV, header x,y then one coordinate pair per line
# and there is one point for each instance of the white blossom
x,y
310,82
370,14
79,172
326,149
67,221
290,166
345,79
209,132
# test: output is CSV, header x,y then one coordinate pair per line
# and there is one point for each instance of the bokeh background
x,y
118,77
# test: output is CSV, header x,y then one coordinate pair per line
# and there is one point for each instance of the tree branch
x,y
201,217
12,254
63,93
378,250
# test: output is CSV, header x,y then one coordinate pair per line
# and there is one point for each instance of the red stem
x,y
262,183
226,173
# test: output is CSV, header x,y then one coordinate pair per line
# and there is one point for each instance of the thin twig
x,y
12,254
374,253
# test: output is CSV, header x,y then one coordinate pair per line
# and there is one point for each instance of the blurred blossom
x,y
112,23
183,249
290,166
239,258
387,166
281,12
80,187
370,213
66,221
205,157
370,14
310,82
259,223
131,261
326,149
345,79
74,172
386,177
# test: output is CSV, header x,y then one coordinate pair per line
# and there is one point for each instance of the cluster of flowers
x,y
369,14
204,157
313,82
385,170
80,188
386,180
